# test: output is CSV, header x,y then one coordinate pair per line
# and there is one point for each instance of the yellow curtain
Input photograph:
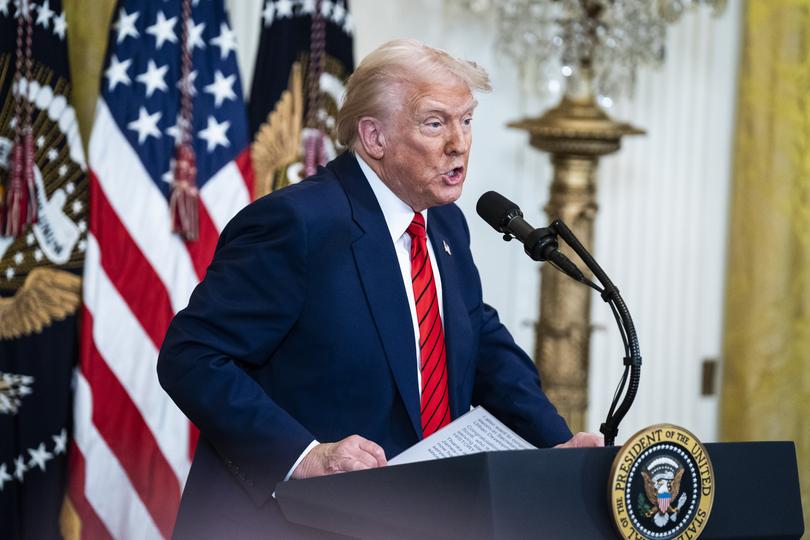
x,y
766,380
88,27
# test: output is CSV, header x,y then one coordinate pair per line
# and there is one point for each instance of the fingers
x,y
358,453
353,453
357,462
375,450
583,440
595,439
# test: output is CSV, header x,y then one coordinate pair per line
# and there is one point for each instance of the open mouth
x,y
454,175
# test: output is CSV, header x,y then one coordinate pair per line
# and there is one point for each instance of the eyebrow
x,y
468,110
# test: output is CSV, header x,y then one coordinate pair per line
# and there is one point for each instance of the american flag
x,y
132,447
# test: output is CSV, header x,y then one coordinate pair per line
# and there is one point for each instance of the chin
x,y
449,195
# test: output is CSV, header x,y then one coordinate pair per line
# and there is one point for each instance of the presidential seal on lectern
x,y
661,485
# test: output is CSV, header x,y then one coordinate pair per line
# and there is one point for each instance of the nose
x,y
457,142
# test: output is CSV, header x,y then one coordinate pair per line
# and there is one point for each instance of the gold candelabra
x,y
576,133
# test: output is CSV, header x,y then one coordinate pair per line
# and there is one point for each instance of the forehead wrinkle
x,y
432,106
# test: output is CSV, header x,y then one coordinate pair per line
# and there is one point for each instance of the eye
x,y
435,124
467,121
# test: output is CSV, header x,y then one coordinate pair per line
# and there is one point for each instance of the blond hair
x,y
372,88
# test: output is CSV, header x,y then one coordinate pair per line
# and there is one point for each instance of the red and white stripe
x,y
132,447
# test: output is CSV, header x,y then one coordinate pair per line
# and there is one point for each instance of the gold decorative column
x,y
576,133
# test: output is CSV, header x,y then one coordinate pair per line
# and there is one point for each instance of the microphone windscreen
x,y
496,210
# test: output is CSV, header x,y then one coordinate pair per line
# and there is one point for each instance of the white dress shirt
x,y
398,216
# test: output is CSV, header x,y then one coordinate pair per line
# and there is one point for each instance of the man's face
x,y
427,144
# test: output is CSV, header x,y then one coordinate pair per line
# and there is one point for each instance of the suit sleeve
x,y
508,386
250,298
506,382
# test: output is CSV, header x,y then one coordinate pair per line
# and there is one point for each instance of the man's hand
x,y
583,440
353,453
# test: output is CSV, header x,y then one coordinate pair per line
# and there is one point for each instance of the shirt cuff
x,y
312,445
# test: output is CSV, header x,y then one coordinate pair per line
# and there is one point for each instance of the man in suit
x,y
342,320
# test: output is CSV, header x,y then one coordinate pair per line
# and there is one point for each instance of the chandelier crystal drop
x,y
584,46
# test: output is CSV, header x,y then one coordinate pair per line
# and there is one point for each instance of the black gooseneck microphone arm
x,y
632,352
541,245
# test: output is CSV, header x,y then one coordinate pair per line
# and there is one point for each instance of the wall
x,y
661,229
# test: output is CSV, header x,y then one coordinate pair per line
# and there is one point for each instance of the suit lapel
x,y
457,330
381,277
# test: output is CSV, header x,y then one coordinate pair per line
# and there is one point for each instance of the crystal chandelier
x,y
587,46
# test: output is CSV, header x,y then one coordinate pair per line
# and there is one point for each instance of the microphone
x,y
540,244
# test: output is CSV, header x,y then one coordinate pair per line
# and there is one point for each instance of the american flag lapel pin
x,y
446,247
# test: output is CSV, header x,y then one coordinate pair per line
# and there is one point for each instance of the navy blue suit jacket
x,y
301,330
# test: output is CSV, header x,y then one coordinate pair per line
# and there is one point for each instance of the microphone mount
x,y
632,352
541,245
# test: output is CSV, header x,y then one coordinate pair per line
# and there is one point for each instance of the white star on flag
x,y
174,131
195,35
117,72
348,24
168,176
153,78
4,7
52,154
38,457
226,41
214,133
22,8
4,476
60,442
126,25
60,25
192,78
268,14
326,8
19,468
45,14
163,29
284,8
221,88
146,125
338,13
307,7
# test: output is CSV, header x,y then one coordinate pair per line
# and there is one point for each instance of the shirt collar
x,y
397,214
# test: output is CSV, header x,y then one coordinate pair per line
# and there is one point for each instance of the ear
x,y
371,136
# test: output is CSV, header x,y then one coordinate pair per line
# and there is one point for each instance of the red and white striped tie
x,y
432,353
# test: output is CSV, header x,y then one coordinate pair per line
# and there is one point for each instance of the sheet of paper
x,y
476,431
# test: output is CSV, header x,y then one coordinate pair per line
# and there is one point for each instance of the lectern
x,y
560,493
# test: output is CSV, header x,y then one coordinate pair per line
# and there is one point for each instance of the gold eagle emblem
x,y
46,295
663,486
277,144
